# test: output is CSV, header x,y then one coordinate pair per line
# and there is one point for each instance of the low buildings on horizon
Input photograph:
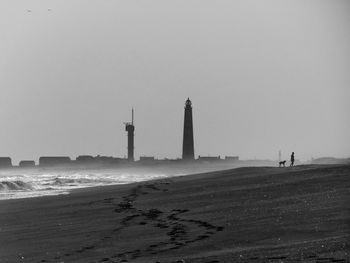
x,y
5,162
89,160
83,161
26,163
54,160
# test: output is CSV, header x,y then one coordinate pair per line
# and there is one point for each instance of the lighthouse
x,y
188,144
130,128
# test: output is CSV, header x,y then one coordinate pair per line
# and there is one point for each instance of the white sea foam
x,y
18,184
32,182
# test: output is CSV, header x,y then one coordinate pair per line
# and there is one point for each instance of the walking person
x,y
292,159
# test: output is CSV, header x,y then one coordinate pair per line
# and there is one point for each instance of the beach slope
x,y
253,214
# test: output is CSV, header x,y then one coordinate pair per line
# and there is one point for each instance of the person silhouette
x,y
292,159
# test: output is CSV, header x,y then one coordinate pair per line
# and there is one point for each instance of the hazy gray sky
x,y
262,76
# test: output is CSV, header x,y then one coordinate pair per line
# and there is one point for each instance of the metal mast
x,y
130,128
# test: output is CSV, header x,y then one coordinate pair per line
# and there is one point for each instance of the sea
x,y
18,182
26,183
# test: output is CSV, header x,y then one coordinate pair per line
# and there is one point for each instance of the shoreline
x,y
21,183
249,214
201,173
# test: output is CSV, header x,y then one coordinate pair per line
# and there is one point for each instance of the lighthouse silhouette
x,y
130,128
188,145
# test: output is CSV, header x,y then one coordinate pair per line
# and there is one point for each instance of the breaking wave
x,y
15,186
77,181
38,182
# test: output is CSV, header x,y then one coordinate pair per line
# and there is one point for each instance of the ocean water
x,y
20,183
33,182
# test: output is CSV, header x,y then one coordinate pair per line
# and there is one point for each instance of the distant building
x,y
98,160
209,158
107,160
231,158
27,163
188,144
147,159
85,159
5,162
329,160
54,160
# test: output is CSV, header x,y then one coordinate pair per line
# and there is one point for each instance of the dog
x,y
282,163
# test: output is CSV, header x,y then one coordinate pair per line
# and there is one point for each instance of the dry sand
x,y
242,215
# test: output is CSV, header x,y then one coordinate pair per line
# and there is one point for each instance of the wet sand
x,y
257,214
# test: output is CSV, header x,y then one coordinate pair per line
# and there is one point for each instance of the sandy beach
x,y
253,214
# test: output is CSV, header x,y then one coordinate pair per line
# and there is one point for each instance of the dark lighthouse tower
x,y
188,146
130,128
